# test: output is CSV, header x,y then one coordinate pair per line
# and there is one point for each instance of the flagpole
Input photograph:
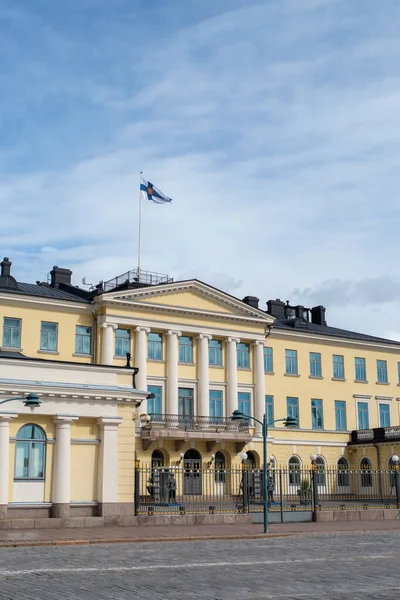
x,y
140,227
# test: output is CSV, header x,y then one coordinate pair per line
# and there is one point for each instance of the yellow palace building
x,y
201,354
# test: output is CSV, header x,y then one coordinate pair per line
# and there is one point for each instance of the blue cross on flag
x,y
150,192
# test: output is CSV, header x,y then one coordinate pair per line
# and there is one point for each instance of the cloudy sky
x,y
274,125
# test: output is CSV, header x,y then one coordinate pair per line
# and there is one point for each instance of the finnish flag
x,y
150,192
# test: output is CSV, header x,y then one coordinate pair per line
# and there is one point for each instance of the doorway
x,y
192,483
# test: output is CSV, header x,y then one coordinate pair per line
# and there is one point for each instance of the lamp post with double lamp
x,y
30,401
237,415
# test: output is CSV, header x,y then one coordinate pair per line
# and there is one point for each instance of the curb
x,y
191,538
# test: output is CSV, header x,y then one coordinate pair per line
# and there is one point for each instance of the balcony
x,y
182,428
372,436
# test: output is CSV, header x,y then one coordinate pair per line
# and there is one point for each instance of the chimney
x,y
59,275
251,301
5,266
276,308
318,315
6,279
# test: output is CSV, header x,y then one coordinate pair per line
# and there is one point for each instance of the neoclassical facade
x,y
201,354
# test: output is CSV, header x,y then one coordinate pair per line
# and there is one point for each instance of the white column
x,y
61,496
107,482
203,376
140,360
231,370
259,384
4,461
107,343
172,371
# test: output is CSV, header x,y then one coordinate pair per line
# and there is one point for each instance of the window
x,y
216,405
363,419
320,474
185,402
340,415
294,471
48,336
244,403
381,371
293,408
384,415
316,414
343,477
361,373
215,352
291,362
269,409
268,360
338,366
12,333
30,453
398,372
83,340
243,356
185,349
122,342
155,346
315,364
154,405
366,474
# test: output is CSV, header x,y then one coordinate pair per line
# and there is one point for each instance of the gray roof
x,y
45,291
289,325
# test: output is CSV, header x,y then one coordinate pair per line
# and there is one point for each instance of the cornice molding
x,y
325,339
39,302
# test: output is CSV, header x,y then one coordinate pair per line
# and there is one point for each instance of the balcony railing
x,y
189,423
378,434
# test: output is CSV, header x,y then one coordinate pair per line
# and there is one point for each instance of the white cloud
x,y
273,126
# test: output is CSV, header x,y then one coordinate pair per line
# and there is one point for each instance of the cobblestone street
x,y
314,567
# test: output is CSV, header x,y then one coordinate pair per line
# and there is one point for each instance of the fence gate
x,y
192,474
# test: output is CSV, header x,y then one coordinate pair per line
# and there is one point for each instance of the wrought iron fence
x,y
191,423
191,490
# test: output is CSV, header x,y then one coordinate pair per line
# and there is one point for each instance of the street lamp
x,y
30,401
238,415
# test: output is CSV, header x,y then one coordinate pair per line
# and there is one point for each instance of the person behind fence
x,y
270,488
171,487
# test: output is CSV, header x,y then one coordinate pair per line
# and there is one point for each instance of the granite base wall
x,y
372,514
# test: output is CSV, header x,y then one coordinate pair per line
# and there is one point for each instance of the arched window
x,y
366,474
251,460
30,453
220,467
321,474
294,470
343,478
157,459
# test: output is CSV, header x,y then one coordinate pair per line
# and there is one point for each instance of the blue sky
x,y
274,126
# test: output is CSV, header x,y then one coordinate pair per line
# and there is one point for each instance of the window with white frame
x,y
30,453
83,339
243,356
155,349
122,342
185,349
12,332
48,336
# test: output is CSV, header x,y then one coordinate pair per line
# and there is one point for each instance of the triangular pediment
x,y
188,296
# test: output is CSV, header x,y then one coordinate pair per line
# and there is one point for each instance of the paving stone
x,y
332,566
